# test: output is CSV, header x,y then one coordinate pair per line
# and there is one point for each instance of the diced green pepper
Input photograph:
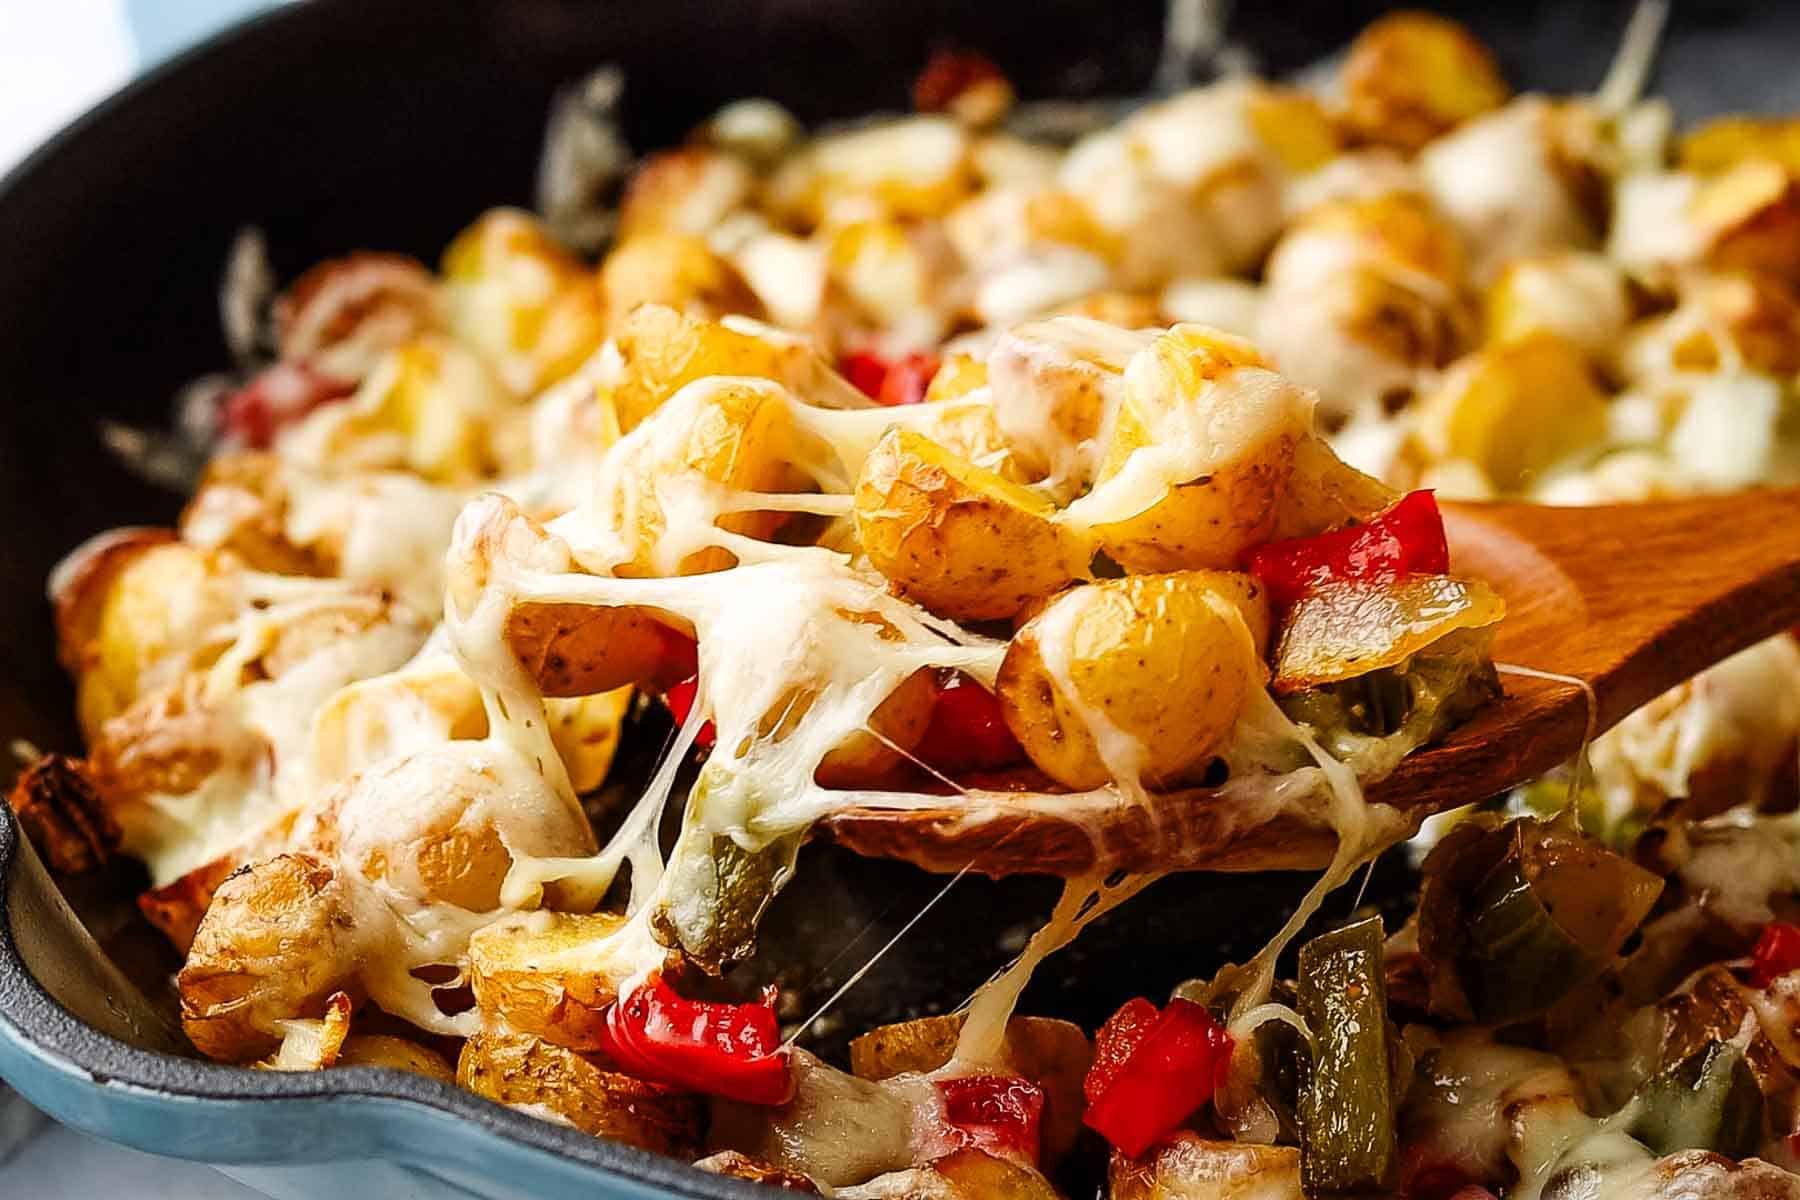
x,y
1709,1100
1347,1138
718,893
1514,917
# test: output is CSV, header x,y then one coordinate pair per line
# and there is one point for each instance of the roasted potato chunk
x,y
442,825
738,434
955,537
662,350
527,304
1187,1166
1199,454
687,190
1515,410
1086,684
742,1166
865,759
1582,298
1411,76
974,1173
516,1069
916,167
1721,144
1052,384
58,807
275,944
132,615
1324,492
586,649
1053,1054
675,269
1749,218
539,973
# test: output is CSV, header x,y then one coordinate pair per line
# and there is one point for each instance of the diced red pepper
x,y
948,74
1115,1042
867,370
680,700
997,1113
729,1050
892,382
1176,1066
1407,539
1777,952
967,731
276,398
907,380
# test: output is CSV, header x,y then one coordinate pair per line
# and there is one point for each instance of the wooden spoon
x,y
1631,599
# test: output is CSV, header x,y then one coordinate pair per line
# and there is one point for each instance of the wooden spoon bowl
x,y
1629,599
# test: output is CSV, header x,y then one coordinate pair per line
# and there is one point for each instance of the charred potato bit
x,y
63,815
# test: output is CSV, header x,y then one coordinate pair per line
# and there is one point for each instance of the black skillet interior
x,y
336,125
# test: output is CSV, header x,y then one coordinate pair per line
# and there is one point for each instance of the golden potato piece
x,y
1721,144
737,433
517,1069
586,732
1411,76
1295,126
958,539
137,604
915,167
1344,630
527,304
687,190
1187,1166
1580,297
1052,384
1197,457
1324,492
1087,685
1053,1054
663,350
1749,218
671,268
968,430
275,944
587,649
865,759
1515,410
396,1053
538,972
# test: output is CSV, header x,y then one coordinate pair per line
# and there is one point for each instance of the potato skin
x,y
586,649
515,1068
958,539
276,943
1150,655
539,978
1412,76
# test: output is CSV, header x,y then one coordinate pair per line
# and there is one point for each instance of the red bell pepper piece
x,y
892,382
948,74
276,398
1777,952
967,731
1407,539
680,700
996,1113
1174,1068
730,1050
1115,1042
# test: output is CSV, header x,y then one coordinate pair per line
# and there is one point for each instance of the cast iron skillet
x,y
341,125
